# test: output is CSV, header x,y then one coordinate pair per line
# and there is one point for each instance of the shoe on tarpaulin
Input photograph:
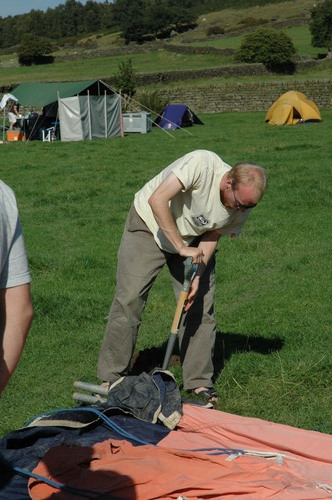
x,y
207,397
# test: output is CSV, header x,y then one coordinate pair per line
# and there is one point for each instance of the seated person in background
x,y
13,114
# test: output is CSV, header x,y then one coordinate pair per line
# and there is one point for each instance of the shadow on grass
x,y
226,345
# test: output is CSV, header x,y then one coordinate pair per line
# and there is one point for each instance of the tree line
x,y
67,20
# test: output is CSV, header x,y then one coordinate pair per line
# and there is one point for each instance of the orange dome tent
x,y
291,108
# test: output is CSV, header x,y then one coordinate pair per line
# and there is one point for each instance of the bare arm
x,y
159,203
208,244
16,313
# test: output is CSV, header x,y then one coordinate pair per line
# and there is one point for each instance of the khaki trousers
x,y
139,262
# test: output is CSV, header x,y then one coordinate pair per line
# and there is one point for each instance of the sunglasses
x,y
238,204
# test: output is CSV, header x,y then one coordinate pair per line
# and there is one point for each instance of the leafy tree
x,y
181,16
9,32
35,50
139,20
321,25
36,22
125,81
157,18
129,15
106,15
70,18
134,31
91,17
271,47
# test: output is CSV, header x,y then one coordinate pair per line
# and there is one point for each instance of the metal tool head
x,y
189,273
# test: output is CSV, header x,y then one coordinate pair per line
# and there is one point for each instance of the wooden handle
x,y
178,312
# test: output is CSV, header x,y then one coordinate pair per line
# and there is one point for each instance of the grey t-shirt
x,y
14,269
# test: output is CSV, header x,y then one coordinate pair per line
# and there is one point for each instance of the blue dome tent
x,y
176,116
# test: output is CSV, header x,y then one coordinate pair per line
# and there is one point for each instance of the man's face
x,y
239,197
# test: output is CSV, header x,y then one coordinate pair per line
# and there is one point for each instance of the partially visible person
x,y
13,114
16,310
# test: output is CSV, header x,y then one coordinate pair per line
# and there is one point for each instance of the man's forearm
x,y
208,244
159,203
166,223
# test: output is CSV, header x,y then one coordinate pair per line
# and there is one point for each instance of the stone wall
x,y
255,69
240,96
188,49
83,52
224,96
246,96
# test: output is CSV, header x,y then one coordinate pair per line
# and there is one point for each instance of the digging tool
x,y
100,392
189,274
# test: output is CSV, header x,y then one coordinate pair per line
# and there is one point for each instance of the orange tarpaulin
x,y
275,461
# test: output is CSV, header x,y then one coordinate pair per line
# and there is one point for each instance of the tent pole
x,y
90,135
4,124
105,113
57,115
121,116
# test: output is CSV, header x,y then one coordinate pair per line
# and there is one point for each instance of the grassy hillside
x,y
232,19
160,60
299,34
104,66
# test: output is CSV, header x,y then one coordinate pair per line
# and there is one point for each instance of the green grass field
x,y
105,67
157,61
273,352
